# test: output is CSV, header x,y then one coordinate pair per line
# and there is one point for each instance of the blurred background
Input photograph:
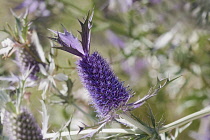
x,y
142,40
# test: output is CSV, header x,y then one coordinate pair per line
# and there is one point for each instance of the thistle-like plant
x,y
107,92
25,43
109,95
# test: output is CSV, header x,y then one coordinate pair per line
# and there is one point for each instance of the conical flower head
x,y
25,43
107,92
28,57
21,126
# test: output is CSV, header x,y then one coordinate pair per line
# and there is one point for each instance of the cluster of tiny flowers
x,y
22,126
26,60
107,92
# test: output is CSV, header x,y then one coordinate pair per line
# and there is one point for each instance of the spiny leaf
x,y
67,125
85,33
152,117
90,135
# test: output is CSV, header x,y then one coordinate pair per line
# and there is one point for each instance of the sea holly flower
x,y
28,56
25,44
109,95
21,126
107,92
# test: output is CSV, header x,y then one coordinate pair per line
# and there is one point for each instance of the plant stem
x,y
88,115
75,105
186,119
141,127
108,131
20,95
136,123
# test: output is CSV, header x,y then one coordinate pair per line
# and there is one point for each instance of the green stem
x,y
20,95
136,123
76,106
84,132
185,120
140,126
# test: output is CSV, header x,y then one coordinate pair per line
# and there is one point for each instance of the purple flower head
x,y
107,92
30,57
21,126
25,43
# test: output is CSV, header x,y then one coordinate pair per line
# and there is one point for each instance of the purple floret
x,y
107,92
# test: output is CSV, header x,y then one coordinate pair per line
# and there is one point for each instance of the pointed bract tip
x,y
53,31
64,29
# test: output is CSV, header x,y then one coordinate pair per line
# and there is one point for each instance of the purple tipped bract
x,y
69,43
107,92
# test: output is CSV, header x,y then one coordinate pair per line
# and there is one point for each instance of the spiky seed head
x,y
21,126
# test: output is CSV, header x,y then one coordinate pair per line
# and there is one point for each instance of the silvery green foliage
x,y
49,77
21,126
